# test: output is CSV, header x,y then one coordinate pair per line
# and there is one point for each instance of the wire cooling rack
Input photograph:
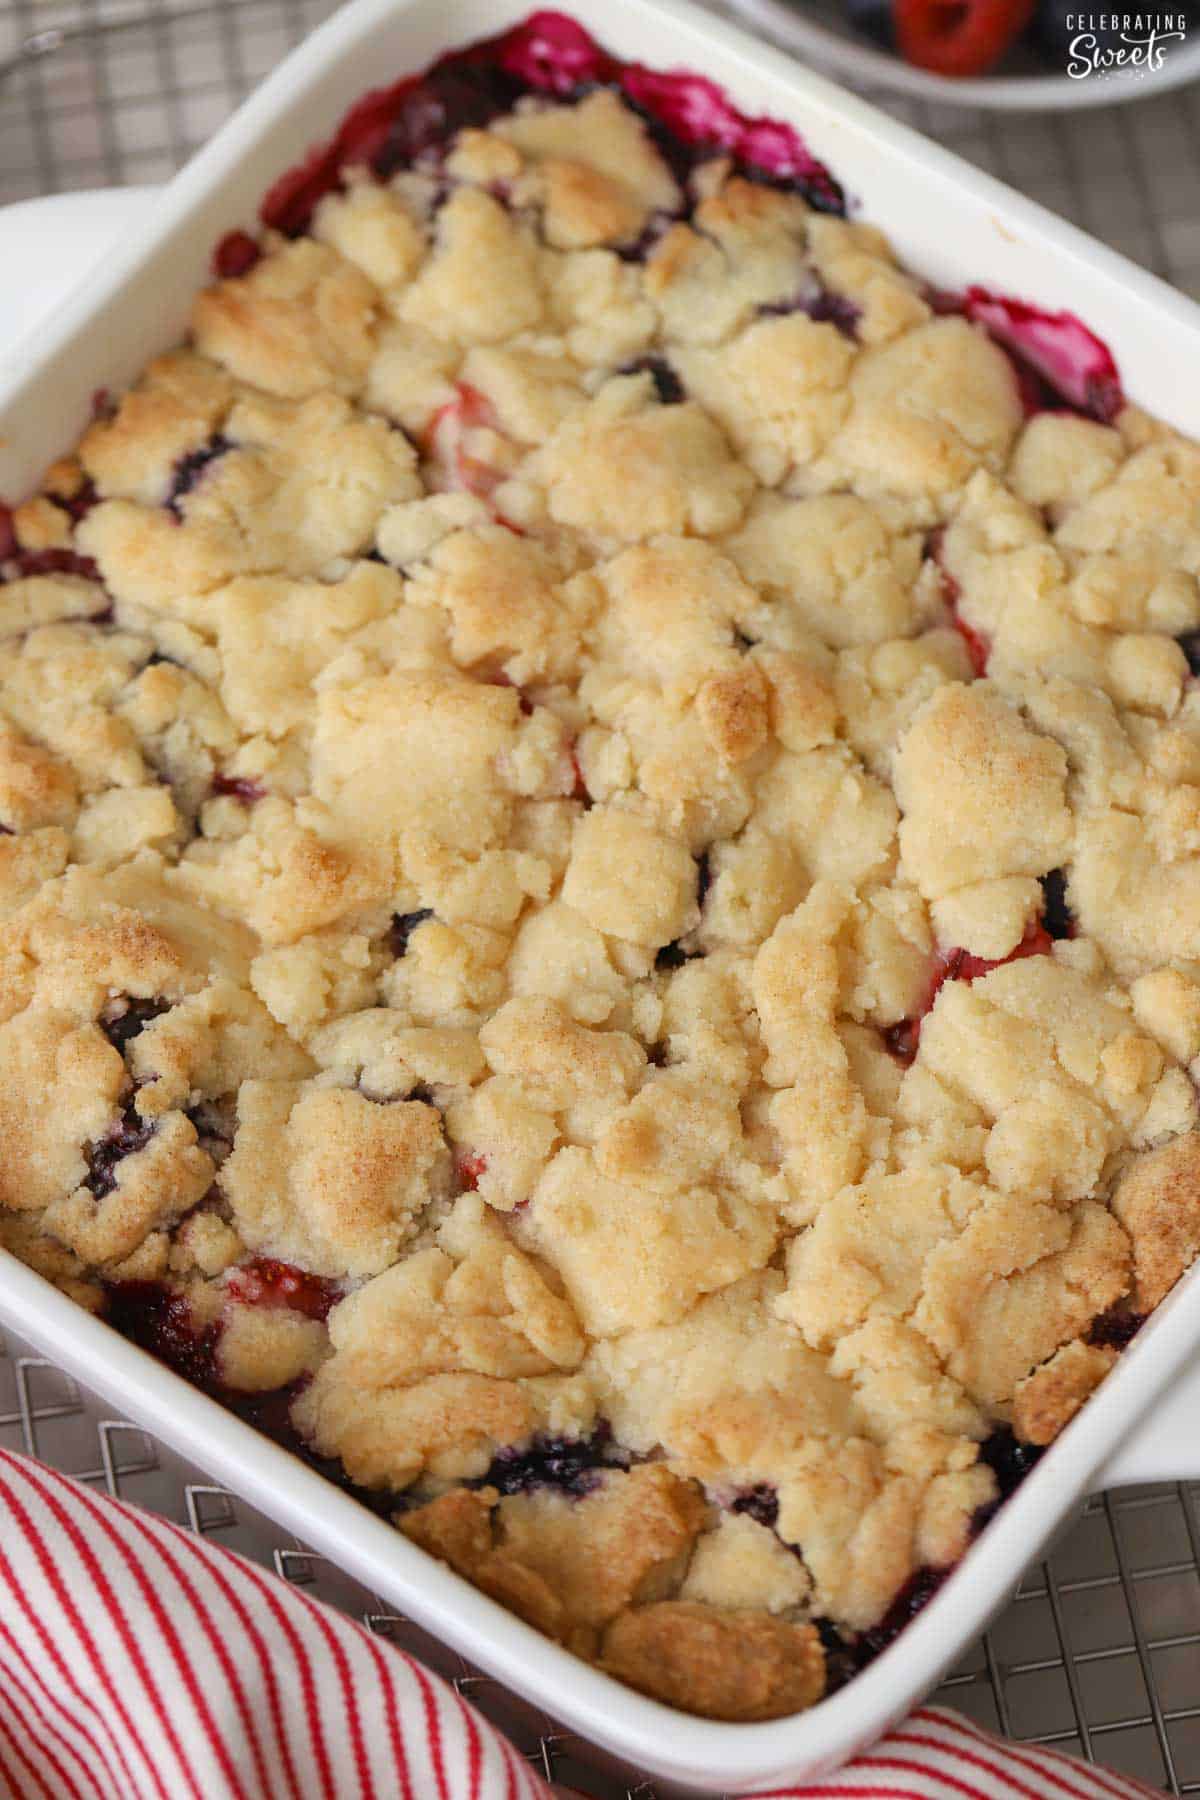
x,y
1099,1652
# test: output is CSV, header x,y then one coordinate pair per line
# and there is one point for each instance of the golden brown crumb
x,y
741,1666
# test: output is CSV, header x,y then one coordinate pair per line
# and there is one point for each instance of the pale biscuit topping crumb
x,y
600,858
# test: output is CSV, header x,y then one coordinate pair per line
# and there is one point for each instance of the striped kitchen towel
x,y
138,1662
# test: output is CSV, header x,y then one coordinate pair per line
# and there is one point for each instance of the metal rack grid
x,y
1099,1652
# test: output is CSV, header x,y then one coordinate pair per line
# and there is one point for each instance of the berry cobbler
x,y
600,802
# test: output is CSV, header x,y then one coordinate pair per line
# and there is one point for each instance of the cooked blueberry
x,y
841,1663
640,249
901,1040
673,955
402,927
1056,914
760,1502
235,254
1115,1328
124,1020
190,468
216,1125
568,1465
130,1134
1189,643
163,1323
821,304
81,502
913,1597
1008,1460
667,384
443,102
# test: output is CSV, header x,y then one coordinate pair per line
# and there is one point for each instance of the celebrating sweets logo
x,y
1104,43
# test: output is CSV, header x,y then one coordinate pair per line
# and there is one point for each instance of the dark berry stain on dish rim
x,y
1058,363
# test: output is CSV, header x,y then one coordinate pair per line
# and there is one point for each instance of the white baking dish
x,y
954,224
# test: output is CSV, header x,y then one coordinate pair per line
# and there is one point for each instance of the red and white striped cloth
x,y
138,1662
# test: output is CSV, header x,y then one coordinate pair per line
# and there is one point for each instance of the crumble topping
x,y
599,823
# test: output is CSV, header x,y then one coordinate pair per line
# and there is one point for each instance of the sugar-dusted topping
x,y
599,840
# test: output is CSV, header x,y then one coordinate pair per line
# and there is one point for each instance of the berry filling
x,y
215,1122
128,1135
760,1503
845,1654
1059,363
454,468
189,469
1116,1328
79,504
123,1020
571,1466
163,1323
978,646
401,929
469,1165
1010,1462
268,1282
238,787
1057,916
667,386
235,254
1189,643
821,305
579,787
19,565
673,955
412,121
903,1039
912,1599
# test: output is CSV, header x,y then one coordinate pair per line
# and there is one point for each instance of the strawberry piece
x,y
236,254
1058,360
268,1282
469,1166
959,37
978,647
902,1040
446,439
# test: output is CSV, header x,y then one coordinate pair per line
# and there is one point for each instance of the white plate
x,y
821,31
956,225
55,243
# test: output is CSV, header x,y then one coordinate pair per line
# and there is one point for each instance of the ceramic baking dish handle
x,y
1167,1446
